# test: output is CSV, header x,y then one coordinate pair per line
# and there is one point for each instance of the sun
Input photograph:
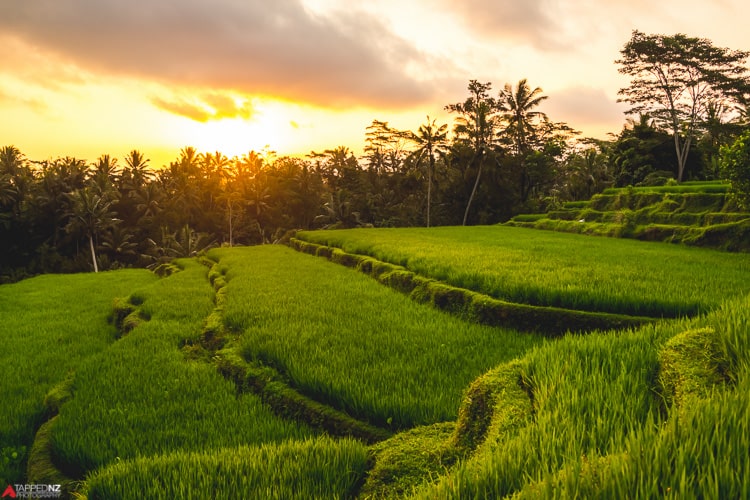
x,y
235,136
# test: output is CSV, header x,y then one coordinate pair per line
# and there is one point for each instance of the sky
x,y
90,77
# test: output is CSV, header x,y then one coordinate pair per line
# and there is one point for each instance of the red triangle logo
x,y
9,492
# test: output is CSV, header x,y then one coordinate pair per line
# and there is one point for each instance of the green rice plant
x,y
600,428
700,452
309,469
557,269
528,217
142,397
345,340
48,326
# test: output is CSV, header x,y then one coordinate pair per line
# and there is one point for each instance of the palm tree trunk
x,y
429,189
230,224
93,254
474,190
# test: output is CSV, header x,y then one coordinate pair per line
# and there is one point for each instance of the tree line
x,y
501,156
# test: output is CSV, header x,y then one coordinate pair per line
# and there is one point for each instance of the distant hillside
x,y
697,213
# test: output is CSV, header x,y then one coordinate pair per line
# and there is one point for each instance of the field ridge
x,y
472,305
218,346
699,214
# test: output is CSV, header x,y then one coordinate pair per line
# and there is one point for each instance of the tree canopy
x,y
676,78
501,156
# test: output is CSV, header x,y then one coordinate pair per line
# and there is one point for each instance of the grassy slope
x,y
142,397
696,214
660,412
48,326
558,269
346,340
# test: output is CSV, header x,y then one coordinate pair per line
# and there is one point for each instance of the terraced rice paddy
x,y
154,409
346,340
557,269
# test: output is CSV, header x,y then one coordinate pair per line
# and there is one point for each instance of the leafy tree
x,y
384,147
586,172
119,246
299,195
735,165
674,78
14,179
16,188
643,154
475,127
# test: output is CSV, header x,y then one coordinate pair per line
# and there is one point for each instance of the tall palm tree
x,y
476,124
105,175
431,139
11,160
516,107
14,178
90,213
137,169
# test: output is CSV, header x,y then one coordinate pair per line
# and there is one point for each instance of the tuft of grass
x,y
410,459
691,365
307,469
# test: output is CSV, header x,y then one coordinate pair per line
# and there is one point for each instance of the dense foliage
x,y
736,168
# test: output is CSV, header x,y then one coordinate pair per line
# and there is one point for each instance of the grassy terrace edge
x,y
470,305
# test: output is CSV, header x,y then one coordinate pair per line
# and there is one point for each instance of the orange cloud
x,y
205,107
254,46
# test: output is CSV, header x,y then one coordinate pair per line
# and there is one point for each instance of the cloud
x,y
253,46
533,22
584,107
205,107
9,98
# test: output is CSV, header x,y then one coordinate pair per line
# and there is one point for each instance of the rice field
x,y
661,411
142,397
48,326
303,469
601,428
344,339
558,269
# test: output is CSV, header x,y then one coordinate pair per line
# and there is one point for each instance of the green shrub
x,y
528,217
735,167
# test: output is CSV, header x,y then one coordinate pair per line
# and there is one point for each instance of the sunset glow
x,y
298,76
